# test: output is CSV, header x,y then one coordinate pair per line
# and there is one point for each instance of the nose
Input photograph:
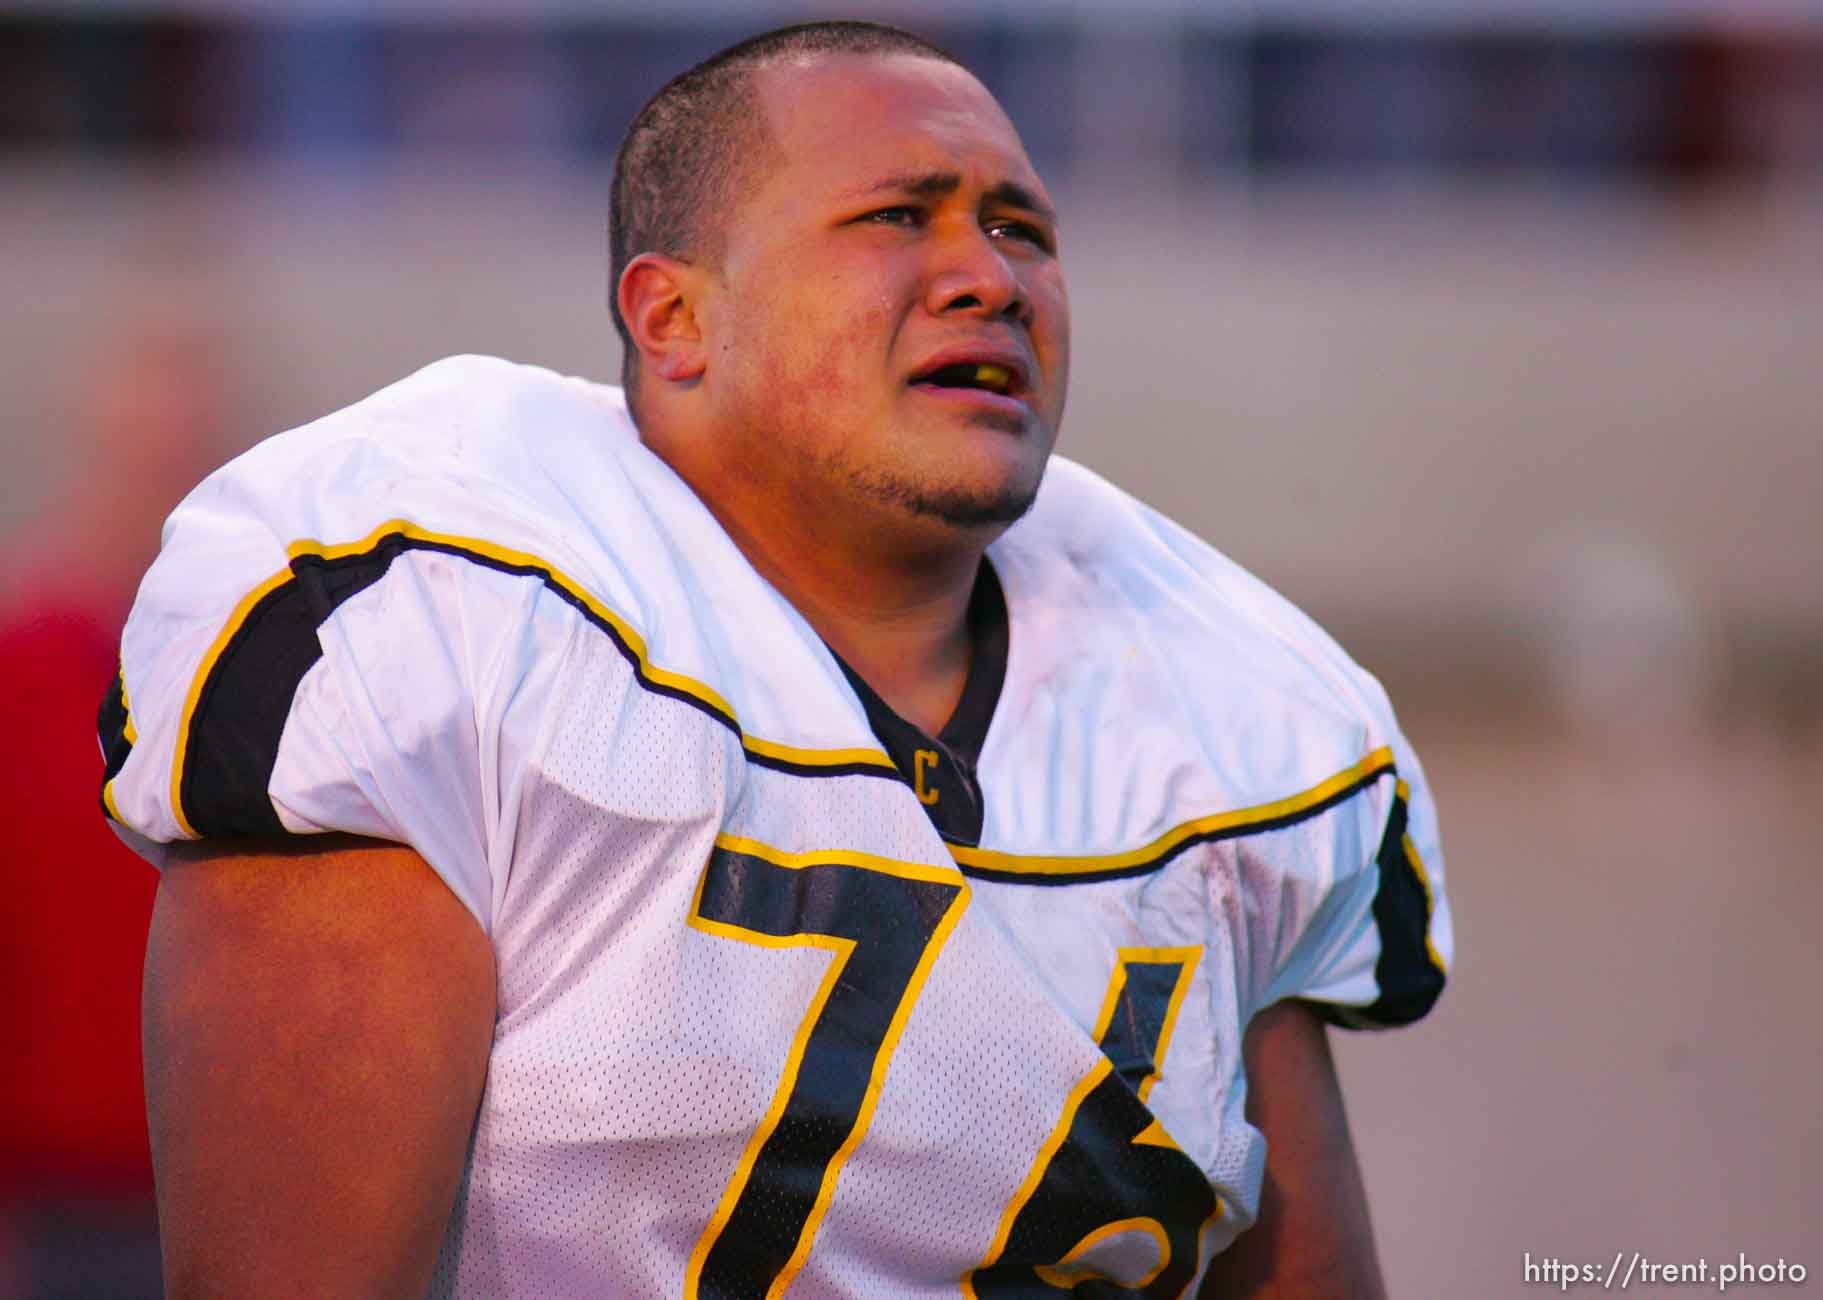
x,y
973,277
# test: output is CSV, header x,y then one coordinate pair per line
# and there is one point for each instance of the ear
x,y
658,297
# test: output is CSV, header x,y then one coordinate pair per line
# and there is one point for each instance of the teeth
x,y
998,378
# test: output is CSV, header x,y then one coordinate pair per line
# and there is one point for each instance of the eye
x,y
1025,231
902,215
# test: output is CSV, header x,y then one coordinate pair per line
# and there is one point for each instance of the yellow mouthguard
x,y
994,376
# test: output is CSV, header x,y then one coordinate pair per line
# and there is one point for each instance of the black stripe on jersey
x,y
1089,875
111,725
641,670
240,712
1132,1037
1409,977
575,601
241,708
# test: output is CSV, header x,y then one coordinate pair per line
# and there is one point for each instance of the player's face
x,y
891,333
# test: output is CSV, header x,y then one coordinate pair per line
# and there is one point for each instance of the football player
x,y
775,829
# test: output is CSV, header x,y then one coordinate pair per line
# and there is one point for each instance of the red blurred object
x,y
72,1107
147,409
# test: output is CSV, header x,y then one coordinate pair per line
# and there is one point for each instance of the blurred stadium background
x,y
1493,334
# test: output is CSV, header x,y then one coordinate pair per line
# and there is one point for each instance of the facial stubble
x,y
955,504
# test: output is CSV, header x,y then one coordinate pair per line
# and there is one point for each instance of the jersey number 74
x,y
1108,1175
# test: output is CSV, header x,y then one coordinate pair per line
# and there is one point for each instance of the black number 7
x,y
885,923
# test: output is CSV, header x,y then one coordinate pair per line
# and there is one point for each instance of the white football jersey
x,y
762,1028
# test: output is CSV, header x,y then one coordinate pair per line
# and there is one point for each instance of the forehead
x,y
845,119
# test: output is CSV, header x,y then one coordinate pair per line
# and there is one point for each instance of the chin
x,y
961,505
963,509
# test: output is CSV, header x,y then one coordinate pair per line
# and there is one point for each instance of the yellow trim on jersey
x,y
1381,760
1185,959
1046,1153
1065,1281
781,1097
628,636
889,1042
201,679
1404,793
1154,1135
128,729
942,875
524,559
817,757
107,801
1111,999
131,734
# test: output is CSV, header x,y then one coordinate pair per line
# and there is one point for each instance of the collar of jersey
x,y
966,731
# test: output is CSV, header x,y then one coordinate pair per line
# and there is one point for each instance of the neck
x,y
900,621
891,598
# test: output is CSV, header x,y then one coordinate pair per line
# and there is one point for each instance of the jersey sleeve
x,y
1372,940
1334,889
298,662
1359,921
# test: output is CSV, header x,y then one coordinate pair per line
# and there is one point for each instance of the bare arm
x,y
1313,1240
318,1017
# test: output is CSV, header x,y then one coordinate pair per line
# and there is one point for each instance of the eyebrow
x,y
937,184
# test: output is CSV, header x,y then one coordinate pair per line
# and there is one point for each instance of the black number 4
x,y
1112,1206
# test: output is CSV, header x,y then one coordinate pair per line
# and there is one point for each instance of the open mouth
x,y
981,376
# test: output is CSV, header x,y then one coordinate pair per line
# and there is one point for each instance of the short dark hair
x,y
697,143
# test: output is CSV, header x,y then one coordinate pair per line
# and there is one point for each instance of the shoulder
x,y
407,534
459,433
474,456
478,523
1272,699
508,467
1168,699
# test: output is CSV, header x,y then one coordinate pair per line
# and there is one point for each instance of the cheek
x,y
846,332
1053,304
817,340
